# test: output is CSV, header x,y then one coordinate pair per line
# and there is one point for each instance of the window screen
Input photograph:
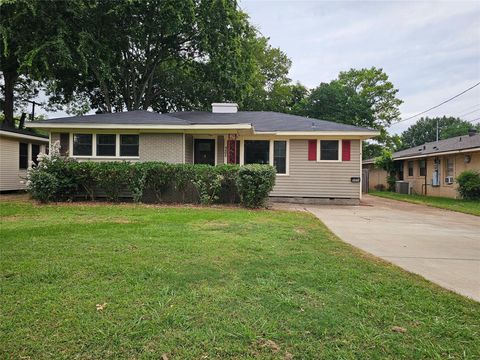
x,y
410,168
128,145
421,167
328,149
280,156
23,158
257,152
35,152
106,144
82,144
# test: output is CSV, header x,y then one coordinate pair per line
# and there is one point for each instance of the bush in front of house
x,y
63,179
255,182
469,185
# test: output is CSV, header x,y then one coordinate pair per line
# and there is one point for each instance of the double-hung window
x,y
329,150
422,167
23,156
82,144
410,168
106,144
128,145
449,167
35,152
280,156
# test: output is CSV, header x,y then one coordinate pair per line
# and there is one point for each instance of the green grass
x,y
464,206
210,283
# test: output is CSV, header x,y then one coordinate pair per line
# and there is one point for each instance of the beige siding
x,y
319,179
11,176
188,149
220,149
417,182
161,147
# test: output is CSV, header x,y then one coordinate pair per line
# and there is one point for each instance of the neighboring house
x,y
18,150
431,168
315,160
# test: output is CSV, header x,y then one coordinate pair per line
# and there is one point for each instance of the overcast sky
x,y
430,49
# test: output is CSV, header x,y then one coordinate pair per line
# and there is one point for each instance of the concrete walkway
x,y
440,245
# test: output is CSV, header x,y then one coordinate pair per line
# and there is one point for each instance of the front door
x,y
204,151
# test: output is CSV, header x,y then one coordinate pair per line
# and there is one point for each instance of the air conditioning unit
x,y
449,180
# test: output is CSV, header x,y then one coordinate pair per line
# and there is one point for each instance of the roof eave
x,y
441,153
23,136
39,125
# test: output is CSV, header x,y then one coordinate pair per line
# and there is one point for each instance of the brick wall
x,y
161,147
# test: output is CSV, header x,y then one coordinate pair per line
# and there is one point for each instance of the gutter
x,y
23,136
438,154
39,125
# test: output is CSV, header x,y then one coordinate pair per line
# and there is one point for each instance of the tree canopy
x,y
425,130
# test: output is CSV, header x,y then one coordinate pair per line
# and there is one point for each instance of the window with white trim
x,y
329,150
280,156
106,144
256,152
449,167
128,145
23,156
82,144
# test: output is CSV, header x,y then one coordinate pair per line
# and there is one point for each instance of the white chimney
x,y
224,108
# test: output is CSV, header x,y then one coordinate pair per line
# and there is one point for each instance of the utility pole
x,y
32,116
437,129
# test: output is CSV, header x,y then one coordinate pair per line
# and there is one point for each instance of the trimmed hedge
x,y
63,179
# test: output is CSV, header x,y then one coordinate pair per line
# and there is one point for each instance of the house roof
x,y
459,143
22,133
261,121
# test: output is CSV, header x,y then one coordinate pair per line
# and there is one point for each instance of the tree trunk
x,y
10,77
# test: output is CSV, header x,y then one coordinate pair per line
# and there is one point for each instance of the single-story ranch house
x,y
316,160
431,168
18,150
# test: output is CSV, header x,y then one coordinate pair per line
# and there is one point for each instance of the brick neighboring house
x,y
431,168
316,160
18,150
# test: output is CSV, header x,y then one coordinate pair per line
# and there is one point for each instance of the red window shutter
x,y
312,150
345,150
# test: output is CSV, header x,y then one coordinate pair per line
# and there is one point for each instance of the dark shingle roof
x,y
23,132
263,121
452,144
127,117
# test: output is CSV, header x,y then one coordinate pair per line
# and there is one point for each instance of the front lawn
x,y
126,281
464,206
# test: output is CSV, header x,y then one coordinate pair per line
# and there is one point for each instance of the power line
x,y
468,113
436,106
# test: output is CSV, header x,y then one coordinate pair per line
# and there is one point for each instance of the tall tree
x,y
31,42
363,98
425,130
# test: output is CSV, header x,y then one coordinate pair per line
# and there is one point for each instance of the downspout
x,y
426,168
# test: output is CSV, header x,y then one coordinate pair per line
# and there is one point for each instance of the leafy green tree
x,y
425,130
31,43
385,162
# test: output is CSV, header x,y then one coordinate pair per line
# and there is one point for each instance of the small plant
x,y
385,162
469,185
255,182
380,187
42,185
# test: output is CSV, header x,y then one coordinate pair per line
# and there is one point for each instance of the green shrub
x,y
42,185
255,182
111,177
208,182
84,176
229,191
469,184
183,176
137,177
158,177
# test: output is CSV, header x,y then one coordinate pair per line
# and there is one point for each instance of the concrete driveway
x,y
442,246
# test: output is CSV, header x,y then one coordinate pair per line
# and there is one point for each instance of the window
x,y
128,145
106,144
82,144
256,152
35,152
64,143
421,167
410,168
329,150
23,158
449,167
280,156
